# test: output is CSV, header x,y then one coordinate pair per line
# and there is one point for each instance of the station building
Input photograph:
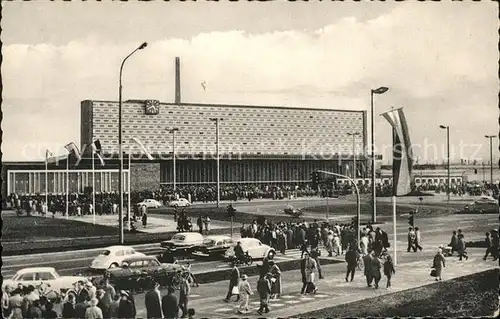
x,y
257,145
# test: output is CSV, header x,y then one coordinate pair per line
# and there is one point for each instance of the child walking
x,y
389,270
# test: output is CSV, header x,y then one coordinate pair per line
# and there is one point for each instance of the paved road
x,y
435,231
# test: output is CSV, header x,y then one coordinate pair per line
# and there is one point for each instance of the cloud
x,y
427,56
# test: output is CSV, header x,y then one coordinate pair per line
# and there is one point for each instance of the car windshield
x,y
179,237
105,253
209,241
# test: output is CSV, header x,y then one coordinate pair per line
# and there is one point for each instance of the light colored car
x,y
214,246
181,202
150,203
46,275
485,204
255,248
113,257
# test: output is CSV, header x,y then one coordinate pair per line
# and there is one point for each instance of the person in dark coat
x,y
144,220
126,307
352,260
49,312
234,281
461,248
199,223
153,302
495,242
104,302
375,266
488,246
389,270
81,309
169,305
264,290
68,310
453,242
34,310
368,270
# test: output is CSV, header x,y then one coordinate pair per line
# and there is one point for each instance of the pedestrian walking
x,y
233,284
495,242
351,257
375,266
488,246
206,221
264,289
185,290
438,264
276,287
411,240
245,291
315,253
461,248
389,270
418,239
199,223
125,308
144,220
309,267
453,242
104,303
368,273
153,302
169,305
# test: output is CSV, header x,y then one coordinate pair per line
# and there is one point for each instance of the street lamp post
x,y
217,120
120,172
354,152
491,156
173,130
380,90
447,128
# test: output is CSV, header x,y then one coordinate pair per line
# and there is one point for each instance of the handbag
x,y
433,273
235,290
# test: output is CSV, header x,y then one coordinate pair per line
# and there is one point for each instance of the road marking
x,y
321,296
255,303
278,304
291,302
306,298
195,295
288,297
223,309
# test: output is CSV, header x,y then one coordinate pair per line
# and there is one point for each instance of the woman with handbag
x,y
438,264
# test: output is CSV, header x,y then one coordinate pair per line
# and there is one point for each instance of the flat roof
x,y
234,105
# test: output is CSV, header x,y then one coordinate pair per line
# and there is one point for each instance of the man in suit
x,y
153,302
233,282
375,266
169,305
368,269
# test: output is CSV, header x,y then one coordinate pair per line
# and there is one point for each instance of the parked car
x,y
255,248
181,202
43,275
150,203
214,246
181,245
113,257
135,273
485,204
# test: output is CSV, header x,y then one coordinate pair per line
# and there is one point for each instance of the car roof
x,y
218,237
140,258
36,269
247,240
115,248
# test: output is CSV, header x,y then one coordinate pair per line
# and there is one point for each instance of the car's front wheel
x,y
113,265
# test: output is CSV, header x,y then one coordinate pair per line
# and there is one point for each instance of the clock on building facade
x,y
152,107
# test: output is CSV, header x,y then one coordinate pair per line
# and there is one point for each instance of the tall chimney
x,y
177,80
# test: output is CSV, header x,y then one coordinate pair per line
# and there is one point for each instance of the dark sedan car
x,y
136,273
214,246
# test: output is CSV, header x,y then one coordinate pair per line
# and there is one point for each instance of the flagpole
x,y
67,187
394,227
93,186
128,182
46,184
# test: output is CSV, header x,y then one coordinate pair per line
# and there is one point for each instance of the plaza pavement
x,y
332,291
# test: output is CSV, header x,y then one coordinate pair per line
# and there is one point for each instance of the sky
x,y
439,60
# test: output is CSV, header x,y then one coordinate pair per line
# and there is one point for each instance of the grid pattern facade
x,y
243,130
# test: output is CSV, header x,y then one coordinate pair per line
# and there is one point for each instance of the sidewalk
x,y
155,224
334,291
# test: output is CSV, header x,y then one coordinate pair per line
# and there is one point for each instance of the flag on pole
x,y
72,148
96,148
143,148
402,160
48,154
